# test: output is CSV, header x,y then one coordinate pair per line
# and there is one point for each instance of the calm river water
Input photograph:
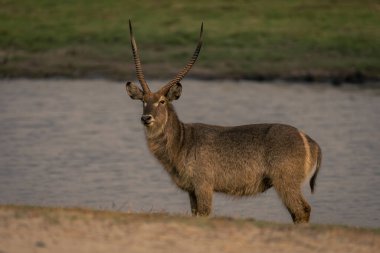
x,y
80,143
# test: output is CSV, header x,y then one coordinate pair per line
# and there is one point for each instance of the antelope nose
x,y
146,119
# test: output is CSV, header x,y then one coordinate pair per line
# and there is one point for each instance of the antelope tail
x,y
318,165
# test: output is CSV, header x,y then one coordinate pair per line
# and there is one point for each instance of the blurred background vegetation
x,y
335,40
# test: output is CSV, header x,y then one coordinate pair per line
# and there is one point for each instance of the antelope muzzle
x,y
147,120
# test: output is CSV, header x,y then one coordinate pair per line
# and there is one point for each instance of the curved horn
x,y
136,58
187,68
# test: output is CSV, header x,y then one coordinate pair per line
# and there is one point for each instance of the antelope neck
x,y
166,145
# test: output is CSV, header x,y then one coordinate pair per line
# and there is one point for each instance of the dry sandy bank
x,y
37,229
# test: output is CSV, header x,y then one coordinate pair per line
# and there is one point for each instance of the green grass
x,y
242,39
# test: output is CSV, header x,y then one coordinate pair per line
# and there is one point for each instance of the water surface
x,y
80,143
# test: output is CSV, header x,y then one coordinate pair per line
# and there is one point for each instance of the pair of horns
x,y
180,75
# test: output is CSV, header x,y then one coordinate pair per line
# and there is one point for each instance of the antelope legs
x,y
297,206
193,203
201,201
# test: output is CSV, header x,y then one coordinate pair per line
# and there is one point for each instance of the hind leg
x,y
297,206
193,203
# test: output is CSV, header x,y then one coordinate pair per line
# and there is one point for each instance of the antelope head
x,y
156,104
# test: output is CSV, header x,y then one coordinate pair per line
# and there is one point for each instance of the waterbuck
x,y
241,160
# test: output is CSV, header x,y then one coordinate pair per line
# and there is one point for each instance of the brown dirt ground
x,y
37,229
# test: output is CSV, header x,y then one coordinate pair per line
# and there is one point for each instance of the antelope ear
x,y
133,91
174,92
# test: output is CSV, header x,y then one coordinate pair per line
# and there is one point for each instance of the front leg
x,y
193,203
203,194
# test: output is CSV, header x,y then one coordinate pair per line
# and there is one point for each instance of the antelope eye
x,y
162,101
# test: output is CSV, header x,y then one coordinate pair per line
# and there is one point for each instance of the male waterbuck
x,y
241,160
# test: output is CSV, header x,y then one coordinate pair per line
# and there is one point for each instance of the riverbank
x,y
26,229
43,229
262,40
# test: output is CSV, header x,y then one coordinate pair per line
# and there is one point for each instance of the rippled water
x,y
80,143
